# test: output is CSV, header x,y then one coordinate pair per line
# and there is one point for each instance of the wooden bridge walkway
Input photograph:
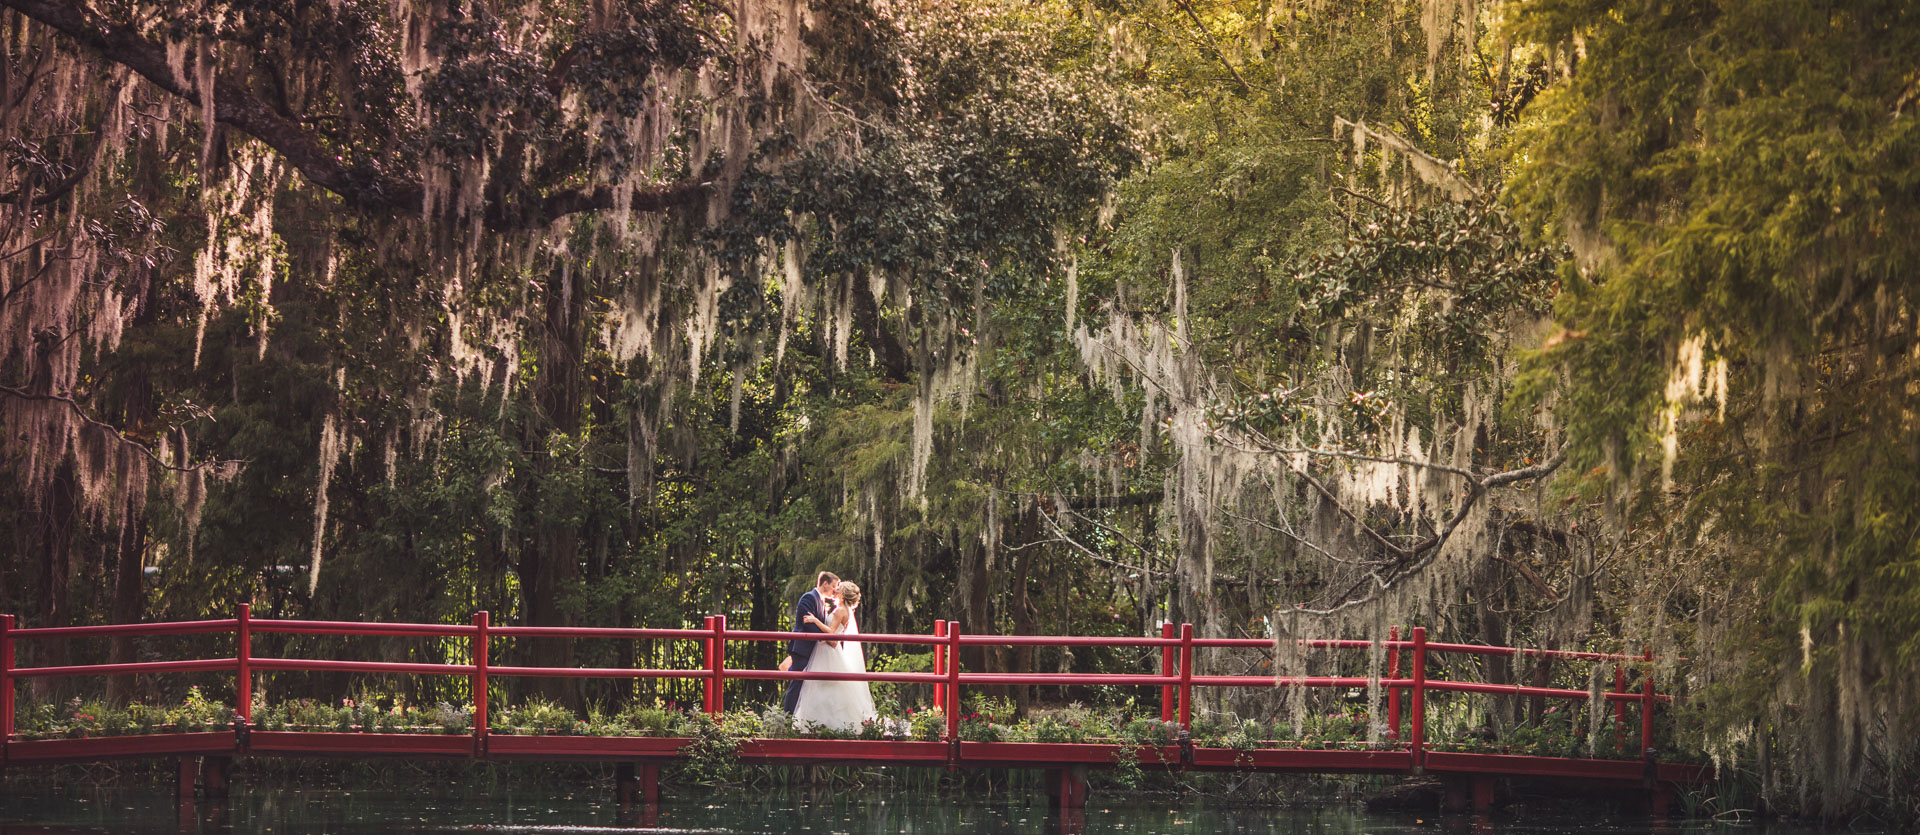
x,y
1470,778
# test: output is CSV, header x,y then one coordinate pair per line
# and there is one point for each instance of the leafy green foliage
x,y
1731,362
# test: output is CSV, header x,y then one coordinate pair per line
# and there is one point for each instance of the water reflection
x,y
296,812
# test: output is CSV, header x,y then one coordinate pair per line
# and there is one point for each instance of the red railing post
x,y
243,663
953,681
1417,745
706,664
939,665
1167,661
1393,693
479,681
720,663
1186,675
1646,705
6,679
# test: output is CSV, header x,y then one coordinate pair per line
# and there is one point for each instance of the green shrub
x,y
1054,728
646,720
455,719
776,723
1209,732
993,709
147,719
714,754
741,724
1149,732
929,725
979,728
200,713
886,694
539,716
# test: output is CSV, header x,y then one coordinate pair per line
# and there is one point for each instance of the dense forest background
x,y
1569,323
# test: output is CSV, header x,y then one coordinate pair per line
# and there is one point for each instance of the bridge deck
x,y
1040,755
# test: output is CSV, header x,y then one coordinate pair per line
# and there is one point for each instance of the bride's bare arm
x,y
837,622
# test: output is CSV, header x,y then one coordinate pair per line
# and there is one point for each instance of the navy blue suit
x,y
802,651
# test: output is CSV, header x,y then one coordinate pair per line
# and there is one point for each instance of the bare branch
x,y
1430,548
1288,533
80,411
1063,508
1089,553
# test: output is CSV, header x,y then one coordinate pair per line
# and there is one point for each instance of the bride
x,y
838,705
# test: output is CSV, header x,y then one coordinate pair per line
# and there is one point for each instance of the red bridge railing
x,y
1175,679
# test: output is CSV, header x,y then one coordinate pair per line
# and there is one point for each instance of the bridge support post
x,y
186,779
1067,787
636,783
1468,792
216,774
650,783
1660,801
1482,793
625,784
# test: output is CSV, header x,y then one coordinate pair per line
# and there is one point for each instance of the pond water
x,y
297,812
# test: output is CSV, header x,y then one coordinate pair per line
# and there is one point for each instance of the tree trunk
x,y
976,585
1542,677
1493,632
1024,620
129,598
56,574
763,614
550,561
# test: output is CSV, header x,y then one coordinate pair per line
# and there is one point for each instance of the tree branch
x,y
1089,553
238,108
1430,548
1214,46
886,347
81,412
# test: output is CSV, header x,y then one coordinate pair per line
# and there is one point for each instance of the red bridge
x,y
1470,777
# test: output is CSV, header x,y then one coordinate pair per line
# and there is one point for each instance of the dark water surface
x,y
298,812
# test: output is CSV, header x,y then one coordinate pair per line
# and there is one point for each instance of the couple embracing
x,y
838,705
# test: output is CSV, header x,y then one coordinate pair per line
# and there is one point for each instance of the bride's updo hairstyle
x,y
849,594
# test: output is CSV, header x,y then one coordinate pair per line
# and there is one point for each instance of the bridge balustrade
x,y
1175,680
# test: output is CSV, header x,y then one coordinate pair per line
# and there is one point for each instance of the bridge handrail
x,y
182,627
1176,677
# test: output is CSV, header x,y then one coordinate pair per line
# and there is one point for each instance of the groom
x,y
812,603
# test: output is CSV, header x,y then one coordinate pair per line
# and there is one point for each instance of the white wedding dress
x,y
837,705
